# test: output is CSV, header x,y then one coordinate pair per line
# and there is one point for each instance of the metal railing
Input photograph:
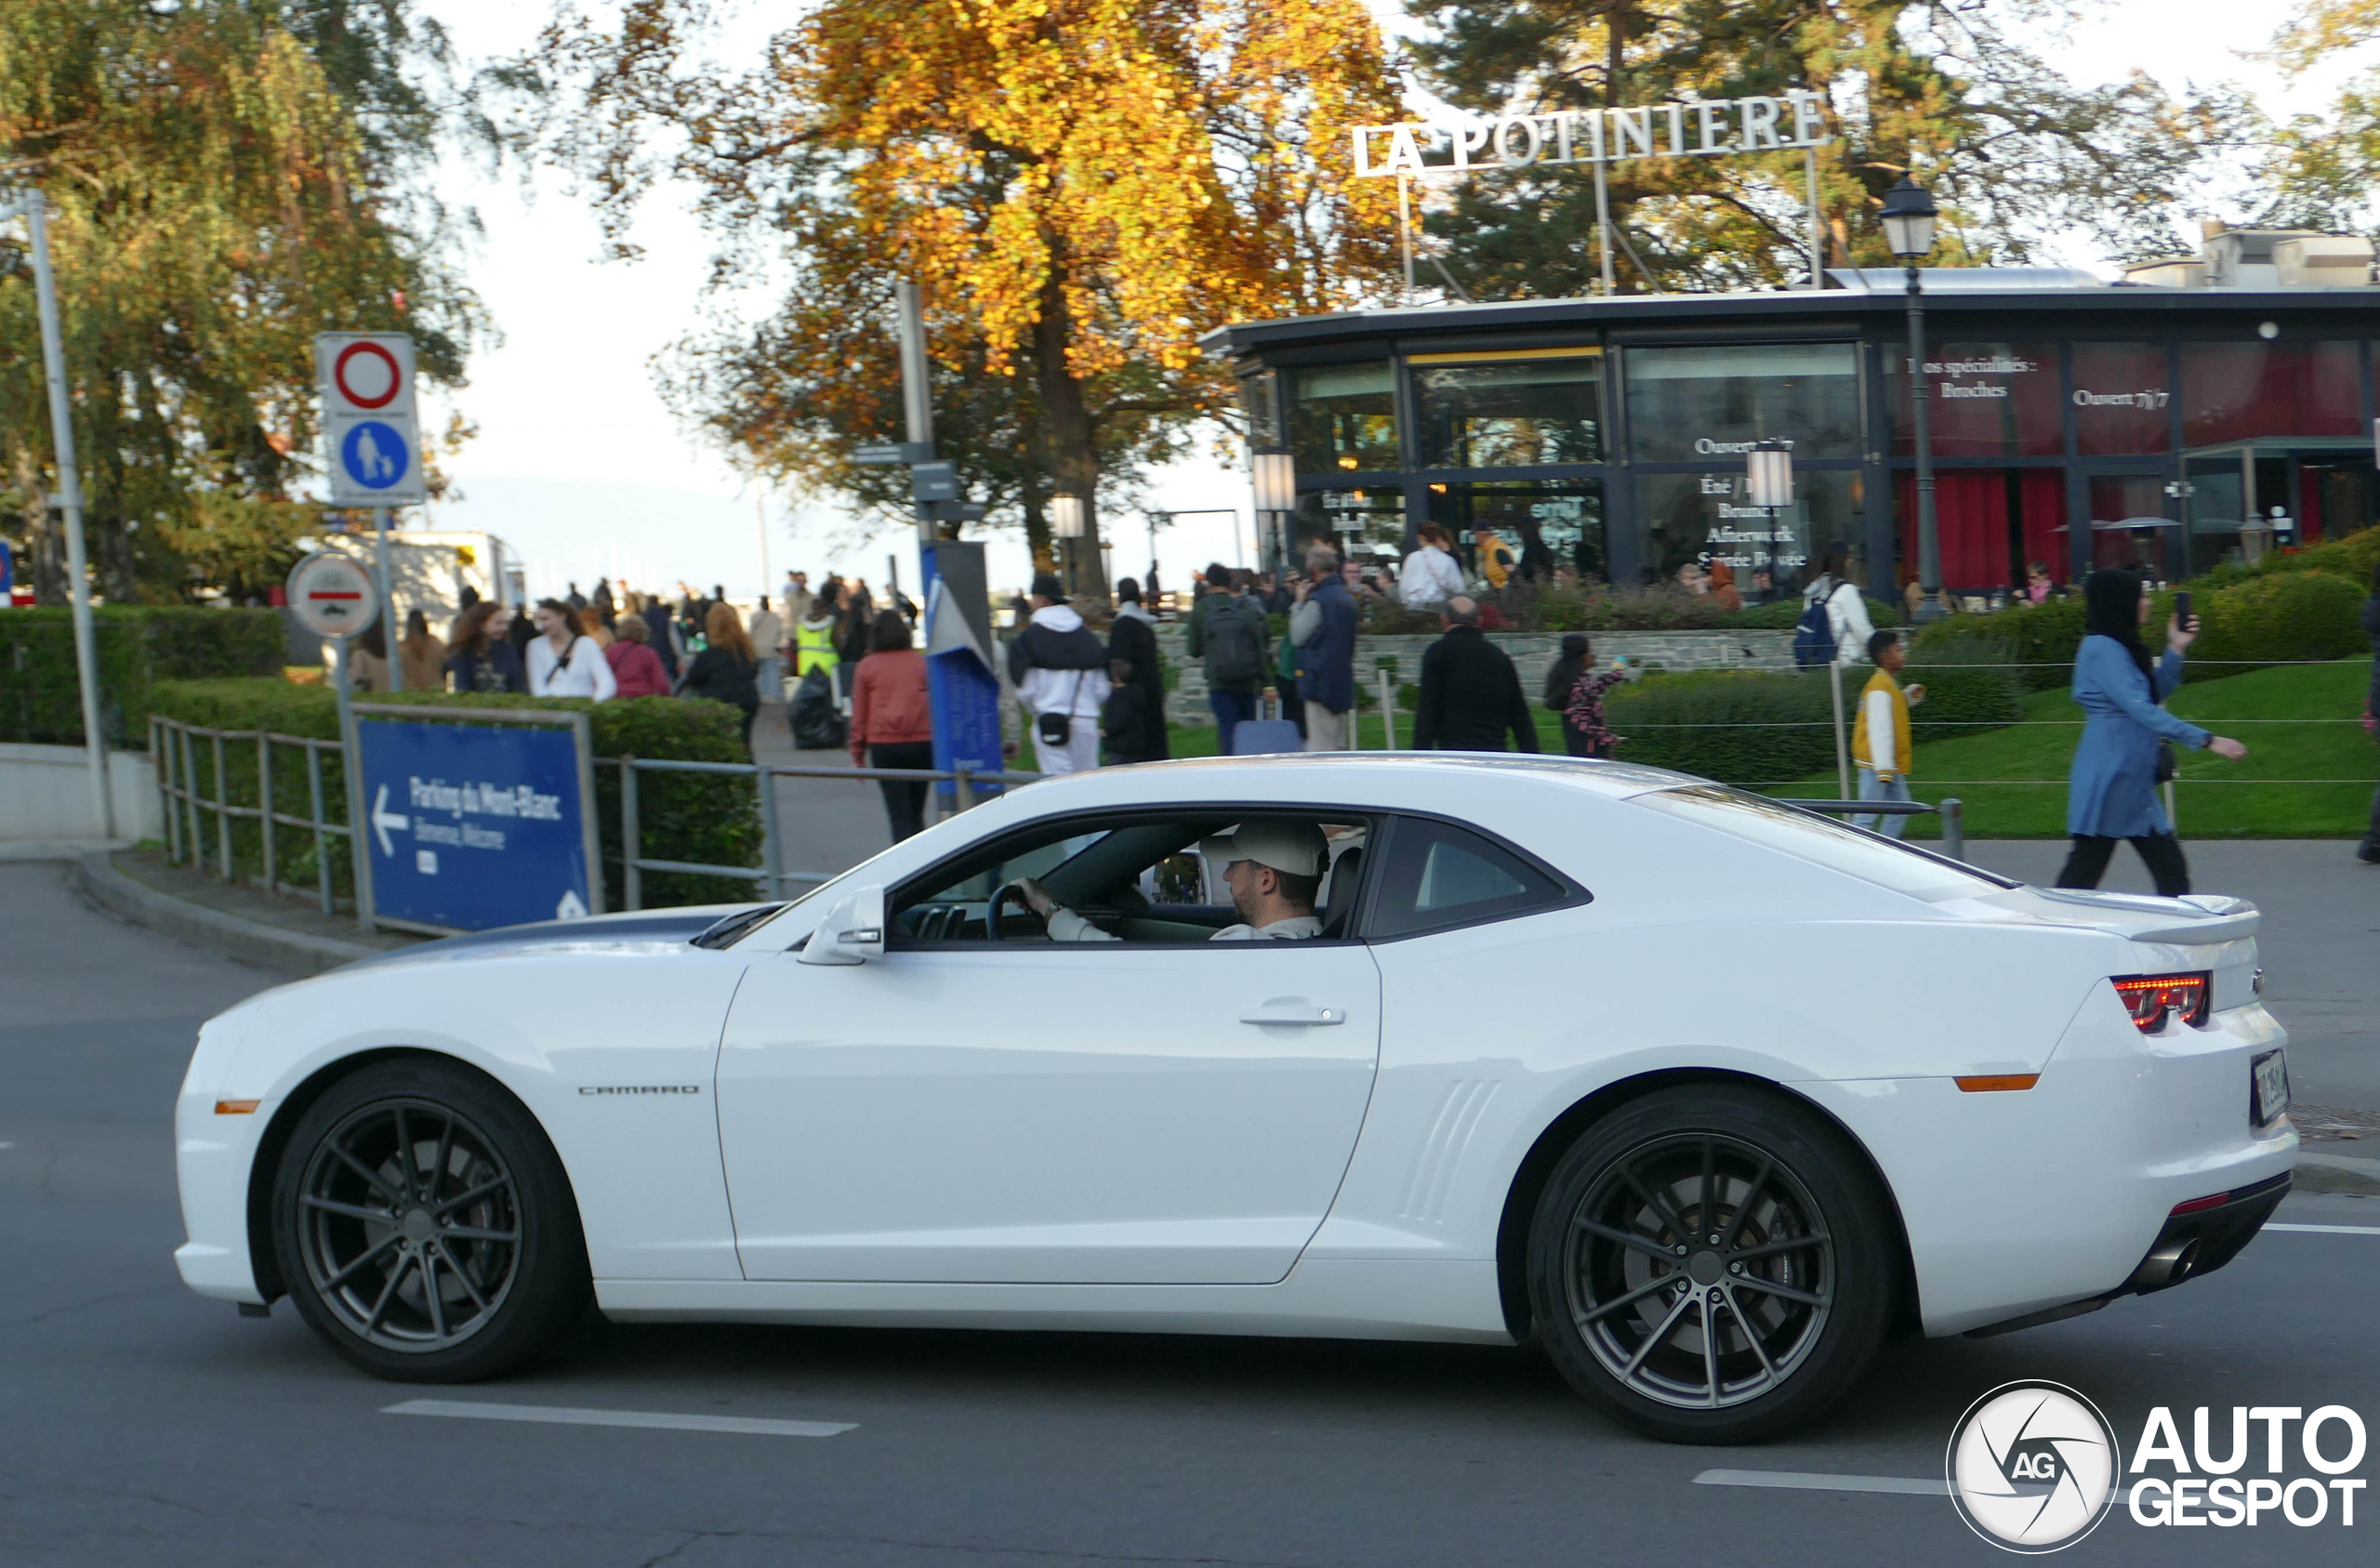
x,y
185,809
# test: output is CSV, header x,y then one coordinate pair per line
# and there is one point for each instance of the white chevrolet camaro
x,y
1701,1092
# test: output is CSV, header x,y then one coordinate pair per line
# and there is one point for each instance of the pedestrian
x,y
599,605
661,636
724,671
576,599
478,657
1131,723
1720,585
796,597
768,647
1493,557
515,627
1285,685
563,661
1324,627
636,668
813,635
2037,583
1431,574
1879,736
892,721
1060,672
1132,641
420,655
2369,851
1471,691
593,629
1576,691
367,667
1155,594
2111,793
1229,632
1834,626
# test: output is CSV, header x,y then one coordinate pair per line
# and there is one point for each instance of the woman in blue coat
x,y
2112,791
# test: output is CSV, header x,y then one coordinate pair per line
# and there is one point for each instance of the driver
x,y
1274,870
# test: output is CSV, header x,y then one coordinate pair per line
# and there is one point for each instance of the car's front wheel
x,y
424,1227
1712,1264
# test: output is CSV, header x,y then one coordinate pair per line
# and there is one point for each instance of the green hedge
x,y
2283,617
711,819
2353,555
138,646
1755,727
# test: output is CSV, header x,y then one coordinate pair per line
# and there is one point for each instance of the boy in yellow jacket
x,y
1879,736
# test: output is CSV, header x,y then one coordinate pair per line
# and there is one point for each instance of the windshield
x,y
1806,835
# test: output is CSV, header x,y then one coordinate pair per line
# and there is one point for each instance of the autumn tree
x,y
2325,167
227,178
1080,188
1949,94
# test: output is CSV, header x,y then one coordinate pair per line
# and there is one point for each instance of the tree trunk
x,y
1074,457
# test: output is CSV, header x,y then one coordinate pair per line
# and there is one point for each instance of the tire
x,y
482,1208
1800,1285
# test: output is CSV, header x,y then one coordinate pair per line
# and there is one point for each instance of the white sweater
x,y
588,674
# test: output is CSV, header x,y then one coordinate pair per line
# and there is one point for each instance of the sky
x,y
584,471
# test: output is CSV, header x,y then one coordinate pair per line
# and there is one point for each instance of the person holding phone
x,y
2111,793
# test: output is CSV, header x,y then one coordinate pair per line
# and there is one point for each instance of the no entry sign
x,y
369,427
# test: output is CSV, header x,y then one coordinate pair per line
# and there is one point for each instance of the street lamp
x,y
1275,474
1909,215
1768,484
1066,524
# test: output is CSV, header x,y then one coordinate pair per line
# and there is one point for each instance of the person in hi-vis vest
x,y
1879,737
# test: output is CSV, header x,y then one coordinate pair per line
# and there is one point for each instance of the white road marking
x,y
2330,1229
563,1416
1808,1481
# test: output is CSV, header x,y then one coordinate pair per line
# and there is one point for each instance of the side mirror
x,y
851,933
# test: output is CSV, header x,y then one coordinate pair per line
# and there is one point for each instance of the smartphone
x,y
2182,608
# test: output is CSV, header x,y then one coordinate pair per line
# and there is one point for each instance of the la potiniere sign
x,y
474,825
1700,127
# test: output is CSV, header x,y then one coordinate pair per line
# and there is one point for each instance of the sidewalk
x,y
247,923
825,827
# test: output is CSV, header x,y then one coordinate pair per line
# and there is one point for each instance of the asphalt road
x,y
146,1425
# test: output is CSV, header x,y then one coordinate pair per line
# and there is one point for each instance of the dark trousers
x,y
1229,707
1291,710
1575,741
2162,852
905,799
2372,834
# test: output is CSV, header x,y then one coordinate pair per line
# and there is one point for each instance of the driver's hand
x,y
1035,895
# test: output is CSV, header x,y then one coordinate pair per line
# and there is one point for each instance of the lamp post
x,y
1274,473
1908,214
1768,484
1067,523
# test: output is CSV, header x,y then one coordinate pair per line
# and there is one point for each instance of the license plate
x,y
2267,1088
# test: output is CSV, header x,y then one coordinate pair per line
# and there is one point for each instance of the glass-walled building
x,y
2074,423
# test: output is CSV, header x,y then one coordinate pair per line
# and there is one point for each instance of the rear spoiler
x,y
2224,919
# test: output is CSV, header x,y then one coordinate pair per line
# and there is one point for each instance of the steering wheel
x,y
1000,895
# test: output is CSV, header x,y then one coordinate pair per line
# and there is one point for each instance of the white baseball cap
x,y
1295,847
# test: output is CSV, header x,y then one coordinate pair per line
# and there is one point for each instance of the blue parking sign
x,y
474,825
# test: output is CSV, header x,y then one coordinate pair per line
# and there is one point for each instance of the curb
x,y
96,876
2339,1162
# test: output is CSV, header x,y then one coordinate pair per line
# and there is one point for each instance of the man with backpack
x,y
1059,670
1230,633
1835,627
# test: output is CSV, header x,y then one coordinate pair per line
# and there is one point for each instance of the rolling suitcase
x,y
1259,737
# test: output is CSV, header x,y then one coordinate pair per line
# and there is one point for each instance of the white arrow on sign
x,y
383,819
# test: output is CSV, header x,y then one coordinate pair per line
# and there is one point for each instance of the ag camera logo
x,y
2032,1467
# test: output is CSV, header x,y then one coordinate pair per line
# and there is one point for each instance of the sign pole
x,y
35,207
916,391
359,831
1405,229
1603,225
385,586
1818,219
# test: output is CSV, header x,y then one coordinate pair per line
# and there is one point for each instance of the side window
x,y
1441,874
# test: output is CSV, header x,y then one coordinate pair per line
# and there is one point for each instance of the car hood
x,y
642,929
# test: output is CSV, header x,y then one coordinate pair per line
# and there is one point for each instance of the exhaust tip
x,y
2169,1265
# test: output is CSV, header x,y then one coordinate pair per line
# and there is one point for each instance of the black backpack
x,y
1814,645
1234,640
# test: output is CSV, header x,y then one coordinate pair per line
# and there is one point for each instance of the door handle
x,y
1300,1013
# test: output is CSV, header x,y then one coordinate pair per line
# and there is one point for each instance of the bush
x,y
2352,556
706,818
1737,726
1969,688
2281,618
1592,606
138,646
2039,639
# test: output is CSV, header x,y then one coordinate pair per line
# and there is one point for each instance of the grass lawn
x,y
2013,781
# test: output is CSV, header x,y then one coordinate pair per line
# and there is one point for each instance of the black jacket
x,y
1134,641
1039,647
1132,727
1471,697
718,674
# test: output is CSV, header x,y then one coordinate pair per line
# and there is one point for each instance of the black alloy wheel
x,y
423,1226
1712,1264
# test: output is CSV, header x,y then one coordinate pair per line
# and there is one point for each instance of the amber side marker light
x,y
1998,1083
237,1107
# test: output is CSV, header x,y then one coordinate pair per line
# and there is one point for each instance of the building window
x,y
1363,525
2239,391
1693,404
2121,401
1987,400
1343,417
1259,400
1992,523
1519,411
1547,525
1701,518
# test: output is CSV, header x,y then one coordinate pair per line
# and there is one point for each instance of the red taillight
x,y
2151,999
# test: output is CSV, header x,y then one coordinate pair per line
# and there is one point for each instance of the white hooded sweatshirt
x,y
1081,693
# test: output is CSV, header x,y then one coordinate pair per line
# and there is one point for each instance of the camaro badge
x,y
640,1088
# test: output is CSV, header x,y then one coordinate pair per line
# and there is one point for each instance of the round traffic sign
x,y
374,454
332,595
367,375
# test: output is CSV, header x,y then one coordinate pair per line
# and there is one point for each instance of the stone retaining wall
x,y
1534,652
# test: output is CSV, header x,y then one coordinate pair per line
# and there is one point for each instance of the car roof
x,y
1318,774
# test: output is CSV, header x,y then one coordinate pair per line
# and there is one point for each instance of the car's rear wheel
x,y
424,1227
1712,1264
